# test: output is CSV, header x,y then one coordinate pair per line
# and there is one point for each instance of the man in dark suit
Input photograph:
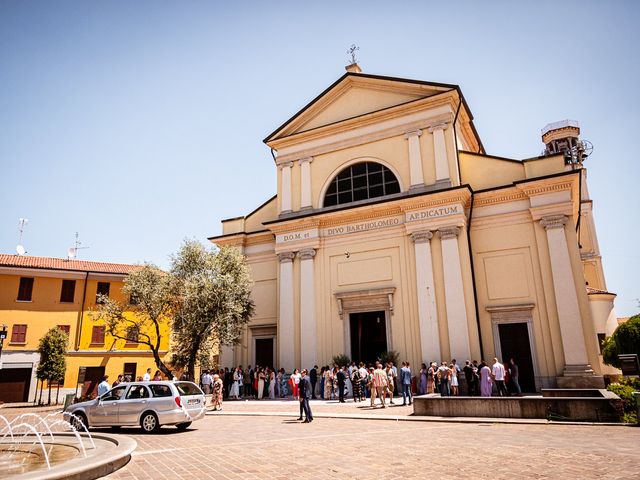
x,y
342,377
313,375
305,395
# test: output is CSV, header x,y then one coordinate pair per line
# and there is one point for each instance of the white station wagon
x,y
147,404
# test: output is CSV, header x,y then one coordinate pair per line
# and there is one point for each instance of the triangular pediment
x,y
355,95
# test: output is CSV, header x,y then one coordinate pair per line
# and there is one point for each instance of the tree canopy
x,y
214,301
625,339
204,297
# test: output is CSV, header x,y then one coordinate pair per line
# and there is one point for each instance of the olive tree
x,y
213,292
148,308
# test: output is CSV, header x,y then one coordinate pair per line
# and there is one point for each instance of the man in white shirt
x,y
206,381
104,386
498,375
147,376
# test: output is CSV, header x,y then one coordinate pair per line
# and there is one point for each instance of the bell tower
x,y
564,137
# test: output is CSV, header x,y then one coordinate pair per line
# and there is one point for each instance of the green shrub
x,y
625,390
390,356
341,360
625,339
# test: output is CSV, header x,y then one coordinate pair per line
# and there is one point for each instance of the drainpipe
x,y
473,277
81,313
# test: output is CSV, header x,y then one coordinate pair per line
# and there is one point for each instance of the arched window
x,y
361,181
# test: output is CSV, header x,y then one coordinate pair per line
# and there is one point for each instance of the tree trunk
x,y
41,388
160,364
58,393
35,397
49,387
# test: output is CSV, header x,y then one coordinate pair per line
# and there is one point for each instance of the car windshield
x,y
187,388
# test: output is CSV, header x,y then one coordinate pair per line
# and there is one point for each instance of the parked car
x,y
147,404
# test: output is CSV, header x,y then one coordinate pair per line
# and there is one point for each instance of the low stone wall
x,y
605,408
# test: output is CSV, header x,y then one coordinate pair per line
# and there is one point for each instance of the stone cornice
x,y
495,197
545,186
363,130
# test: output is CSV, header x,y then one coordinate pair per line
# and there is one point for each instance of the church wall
x,y
508,273
485,172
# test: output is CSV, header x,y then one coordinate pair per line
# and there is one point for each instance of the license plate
x,y
193,401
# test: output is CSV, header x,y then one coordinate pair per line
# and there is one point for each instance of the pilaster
x,y
564,287
440,153
308,328
425,288
286,313
457,322
415,158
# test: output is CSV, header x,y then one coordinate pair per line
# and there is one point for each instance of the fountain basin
x,y
111,453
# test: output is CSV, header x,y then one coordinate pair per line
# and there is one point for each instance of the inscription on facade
x,y
434,212
362,226
296,236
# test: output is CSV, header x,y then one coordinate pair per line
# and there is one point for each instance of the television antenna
x,y
72,252
20,250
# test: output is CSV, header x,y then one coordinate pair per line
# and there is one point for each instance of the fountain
x,y
58,445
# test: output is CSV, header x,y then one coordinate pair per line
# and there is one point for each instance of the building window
x,y
26,289
601,338
19,334
65,328
68,291
97,335
361,181
103,289
132,336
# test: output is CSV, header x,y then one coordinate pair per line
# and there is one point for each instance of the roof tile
x,y
52,263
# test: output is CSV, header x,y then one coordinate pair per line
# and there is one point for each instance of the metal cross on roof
x,y
352,52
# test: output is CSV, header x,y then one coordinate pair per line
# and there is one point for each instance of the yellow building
x,y
38,293
393,229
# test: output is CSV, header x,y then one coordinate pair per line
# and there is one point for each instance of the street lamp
x,y
3,335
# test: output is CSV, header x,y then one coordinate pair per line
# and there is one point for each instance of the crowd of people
x,y
479,378
364,381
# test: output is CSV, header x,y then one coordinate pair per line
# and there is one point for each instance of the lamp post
x,y
3,335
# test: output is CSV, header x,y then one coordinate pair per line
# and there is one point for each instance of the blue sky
x,y
140,123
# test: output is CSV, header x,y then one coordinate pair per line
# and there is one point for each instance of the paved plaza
x,y
233,446
350,441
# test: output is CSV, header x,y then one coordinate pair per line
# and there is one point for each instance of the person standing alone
x,y
405,381
305,394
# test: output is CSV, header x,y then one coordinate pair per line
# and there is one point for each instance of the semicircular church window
x,y
361,181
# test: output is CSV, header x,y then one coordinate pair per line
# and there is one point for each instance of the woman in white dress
x,y
454,379
235,386
272,384
260,384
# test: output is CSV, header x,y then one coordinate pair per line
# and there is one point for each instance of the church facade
x,y
393,229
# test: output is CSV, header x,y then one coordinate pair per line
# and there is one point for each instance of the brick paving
x,y
233,446
247,447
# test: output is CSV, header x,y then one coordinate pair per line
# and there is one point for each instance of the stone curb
x,y
103,463
513,421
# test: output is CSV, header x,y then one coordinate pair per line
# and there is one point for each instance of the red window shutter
x,y
19,334
97,335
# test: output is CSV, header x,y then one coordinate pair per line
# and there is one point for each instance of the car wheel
x,y
79,421
183,426
149,422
